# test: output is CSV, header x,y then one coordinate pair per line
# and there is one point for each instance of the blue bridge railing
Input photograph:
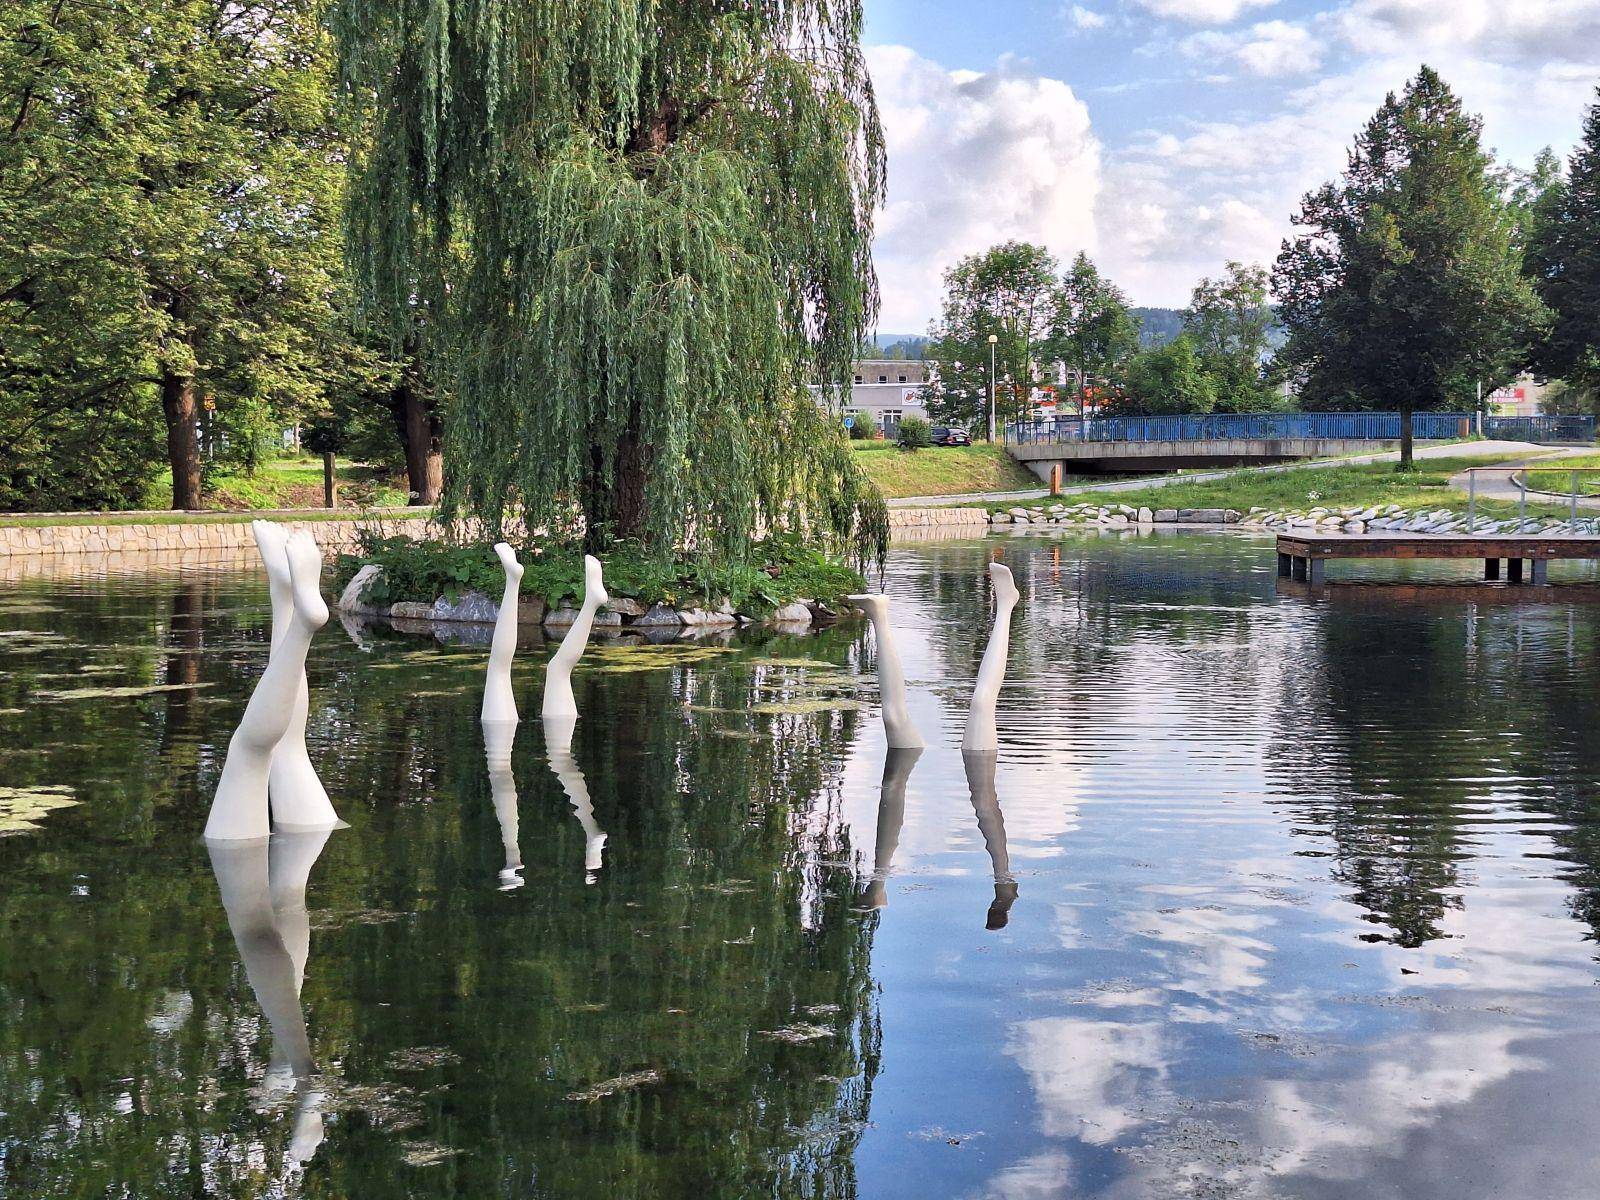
x,y
1358,426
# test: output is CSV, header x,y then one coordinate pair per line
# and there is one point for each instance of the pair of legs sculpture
x,y
559,713
268,781
980,745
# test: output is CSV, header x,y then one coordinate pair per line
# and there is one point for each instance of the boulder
x,y
1166,514
411,610
1231,516
560,618
469,606
658,614
531,610
790,614
1000,518
353,598
626,606
1146,516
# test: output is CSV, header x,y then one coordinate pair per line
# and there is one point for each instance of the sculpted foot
x,y
305,572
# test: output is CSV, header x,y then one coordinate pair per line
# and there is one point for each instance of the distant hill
x,y
1158,326
901,345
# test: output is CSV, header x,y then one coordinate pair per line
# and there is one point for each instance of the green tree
x,y
1093,332
637,231
1008,292
1170,379
1404,287
1229,320
168,187
1564,262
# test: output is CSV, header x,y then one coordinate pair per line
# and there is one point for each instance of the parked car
x,y
951,435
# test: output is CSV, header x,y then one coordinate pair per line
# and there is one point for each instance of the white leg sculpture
x,y
558,700
498,738
263,888
897,724
558,748
499,704
992,824
239,809
981,733
298,799
891,817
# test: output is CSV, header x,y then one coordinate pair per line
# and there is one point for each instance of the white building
x,y
882,390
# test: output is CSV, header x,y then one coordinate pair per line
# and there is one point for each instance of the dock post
x,y
1574,495
1522,509
1284,565
1316,571
1472,499
1513,570
1491,568
1539,576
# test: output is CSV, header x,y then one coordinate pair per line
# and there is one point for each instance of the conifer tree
x,y
1564,262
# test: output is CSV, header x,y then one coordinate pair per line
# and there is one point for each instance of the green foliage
x,y
1403,289
1229,320
1006,292
1093,331
169,180
861,429
778,570
915,433
1170,379
637,231
1564,262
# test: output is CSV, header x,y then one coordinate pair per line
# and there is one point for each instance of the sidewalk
x,y
1497,486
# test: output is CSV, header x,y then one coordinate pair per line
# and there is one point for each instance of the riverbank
x,y
937,471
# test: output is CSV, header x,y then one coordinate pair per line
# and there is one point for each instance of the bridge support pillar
x,y
1539,575
1285,565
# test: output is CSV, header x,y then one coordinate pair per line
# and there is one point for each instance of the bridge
x,y
1133,444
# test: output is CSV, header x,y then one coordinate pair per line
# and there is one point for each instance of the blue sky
x,y
1166,137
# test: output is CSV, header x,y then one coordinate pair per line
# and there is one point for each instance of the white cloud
x,y
974,159
1202,12
1538,31
1267,49
1086,18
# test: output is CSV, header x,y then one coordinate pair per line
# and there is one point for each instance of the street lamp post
x,y
992,340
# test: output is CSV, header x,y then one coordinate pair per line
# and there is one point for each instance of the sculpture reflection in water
x,y
558,749
897,765
992,824
897,725
498,739
981,734
275,717
263,887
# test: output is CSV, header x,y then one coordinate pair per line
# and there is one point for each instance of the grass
x,y
289,481
1558,476
942,470
1360,484
39,521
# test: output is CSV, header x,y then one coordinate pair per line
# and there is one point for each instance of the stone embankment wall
x,y
189,535
925,518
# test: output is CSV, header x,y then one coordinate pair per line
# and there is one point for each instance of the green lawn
x,y
290,481
1558,476
1331,487
941,470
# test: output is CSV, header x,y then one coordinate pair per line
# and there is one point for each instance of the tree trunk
x,y
420,431
180,404
1405,437
628,508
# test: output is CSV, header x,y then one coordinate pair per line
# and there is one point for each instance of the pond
x,y
1264,897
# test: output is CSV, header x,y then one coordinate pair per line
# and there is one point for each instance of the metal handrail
x,y
1355,426
1520,475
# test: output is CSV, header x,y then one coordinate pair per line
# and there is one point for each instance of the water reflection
x,y
498,739
558,733
979,767
263,889
897,766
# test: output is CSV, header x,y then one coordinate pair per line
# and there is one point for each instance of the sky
x,y
1166,137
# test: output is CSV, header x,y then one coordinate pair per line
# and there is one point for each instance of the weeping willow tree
x,y
637,229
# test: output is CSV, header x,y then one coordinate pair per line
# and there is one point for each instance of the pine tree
x,y
1404,288
1564,263
635,231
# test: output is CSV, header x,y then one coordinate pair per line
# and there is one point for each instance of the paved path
x,y
1498,486
1453,450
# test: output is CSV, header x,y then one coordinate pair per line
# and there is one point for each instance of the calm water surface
x,y
1262,898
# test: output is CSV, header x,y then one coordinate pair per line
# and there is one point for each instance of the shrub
x,y
861,429
915,433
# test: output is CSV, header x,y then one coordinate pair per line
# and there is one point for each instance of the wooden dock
x,y
1526,557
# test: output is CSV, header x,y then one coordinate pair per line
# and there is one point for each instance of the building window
x,y
902,379
890,418
858,379
883,379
